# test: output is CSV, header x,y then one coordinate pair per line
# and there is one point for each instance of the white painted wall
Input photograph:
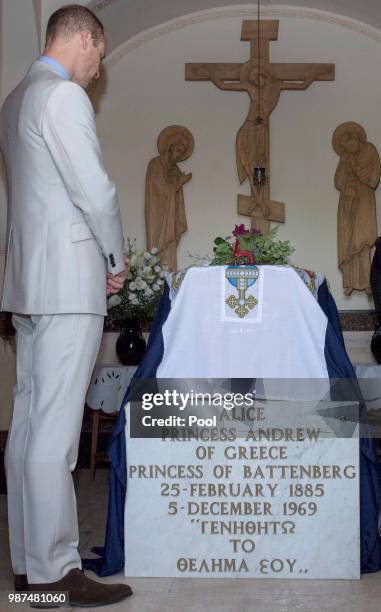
x,y
146,91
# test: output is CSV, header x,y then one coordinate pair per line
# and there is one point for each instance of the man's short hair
x,y
71,19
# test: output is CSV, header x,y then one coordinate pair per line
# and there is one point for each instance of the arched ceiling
x,y
138,15
126,18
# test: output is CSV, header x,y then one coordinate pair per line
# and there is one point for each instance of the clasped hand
x,y
115,283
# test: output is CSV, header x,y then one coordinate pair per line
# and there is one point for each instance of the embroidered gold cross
x,y
241,278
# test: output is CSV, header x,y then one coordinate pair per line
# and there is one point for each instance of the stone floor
x,y
195,595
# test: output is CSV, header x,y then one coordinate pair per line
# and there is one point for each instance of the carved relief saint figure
x,y
164,198
357,176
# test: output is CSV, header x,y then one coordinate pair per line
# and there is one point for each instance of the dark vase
x,y
131,346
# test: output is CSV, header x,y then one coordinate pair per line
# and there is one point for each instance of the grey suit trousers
x,y
55,358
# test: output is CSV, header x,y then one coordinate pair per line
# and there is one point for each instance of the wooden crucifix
x,y
263,81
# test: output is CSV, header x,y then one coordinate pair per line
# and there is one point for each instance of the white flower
x,y
132,286
140,283
154,250
148,292
147,255
132,297
160,282
147,270
163,274
156,287
114,300
133,260
153,260
157,269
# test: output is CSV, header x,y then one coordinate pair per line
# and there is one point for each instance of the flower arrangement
x,y
142,289
249,247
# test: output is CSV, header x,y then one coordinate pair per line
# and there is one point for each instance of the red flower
x,y
247,256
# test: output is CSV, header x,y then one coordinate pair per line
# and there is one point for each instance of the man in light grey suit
x,y
65,252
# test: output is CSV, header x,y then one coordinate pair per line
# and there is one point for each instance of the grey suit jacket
x,y
64,229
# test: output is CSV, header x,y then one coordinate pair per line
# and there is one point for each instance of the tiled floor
x,y
193,595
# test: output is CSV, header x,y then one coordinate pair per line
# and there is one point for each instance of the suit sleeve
x,y
68,128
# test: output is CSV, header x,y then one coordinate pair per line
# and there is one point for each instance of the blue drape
x,y
339,366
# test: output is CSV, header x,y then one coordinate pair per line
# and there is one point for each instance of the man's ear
x,y
85,38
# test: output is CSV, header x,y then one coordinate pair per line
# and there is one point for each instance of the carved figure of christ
x,y
263,82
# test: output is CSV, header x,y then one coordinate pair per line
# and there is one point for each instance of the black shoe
x,y
82,592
